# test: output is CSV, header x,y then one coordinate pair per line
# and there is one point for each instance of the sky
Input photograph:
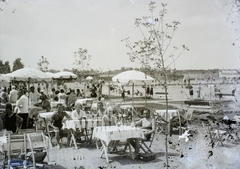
x,y
56,29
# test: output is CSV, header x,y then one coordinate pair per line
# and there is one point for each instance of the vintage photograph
x,y
119,84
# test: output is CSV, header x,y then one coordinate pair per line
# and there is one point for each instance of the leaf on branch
x,y
168,25
169,37
152,3
176,23
137,21
163,5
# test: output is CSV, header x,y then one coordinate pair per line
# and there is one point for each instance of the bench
x,y
220,95
160,93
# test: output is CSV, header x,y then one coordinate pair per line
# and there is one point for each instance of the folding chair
x,y
51,134
215,135
39,147
16,148
145,145
16,145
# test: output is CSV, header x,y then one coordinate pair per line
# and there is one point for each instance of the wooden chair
x,y
215,134
51,134
16,145
39,145
145,145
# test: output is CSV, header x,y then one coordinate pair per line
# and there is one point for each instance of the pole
x,y
108,84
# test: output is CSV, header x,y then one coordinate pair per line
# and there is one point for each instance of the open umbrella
x,y
89,78
50,74
65,75
133,76
4,81
28,73
3,78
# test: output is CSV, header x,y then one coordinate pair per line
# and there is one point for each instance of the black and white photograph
x,y
119,84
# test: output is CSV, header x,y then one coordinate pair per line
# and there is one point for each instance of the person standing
x,y
191,92
22,105
52,94
33,96
62,97
147,91
151,92
13,95
123,94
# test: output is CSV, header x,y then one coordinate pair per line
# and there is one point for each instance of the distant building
x,y
229,73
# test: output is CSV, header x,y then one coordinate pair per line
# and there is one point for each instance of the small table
x,y
106,134
85,124
54,104
88,123
83,101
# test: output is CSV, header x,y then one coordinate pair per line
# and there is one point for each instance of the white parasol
x,y
65,75
133,76
28,74
89,78
3,78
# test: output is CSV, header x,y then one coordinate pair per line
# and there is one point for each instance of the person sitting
x,y
62,97
100,110
12,121
13,95
45,103
71,99
107,118
22,108
148,126
78,113
4,95
57,123
175,123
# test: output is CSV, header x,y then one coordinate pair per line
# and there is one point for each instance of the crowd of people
x,y
19,101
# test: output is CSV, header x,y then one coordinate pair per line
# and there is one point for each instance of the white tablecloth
x,y
171,114
47,116
110,133
88,123
82,101
54,104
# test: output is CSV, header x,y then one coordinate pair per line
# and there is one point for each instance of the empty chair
x,y
215,134
39,147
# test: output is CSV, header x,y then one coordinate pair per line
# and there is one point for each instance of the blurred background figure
x,y
13,95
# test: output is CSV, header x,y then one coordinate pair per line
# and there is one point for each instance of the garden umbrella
x,y
50,74
64,75
134,77
28,74
3,78
89,78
